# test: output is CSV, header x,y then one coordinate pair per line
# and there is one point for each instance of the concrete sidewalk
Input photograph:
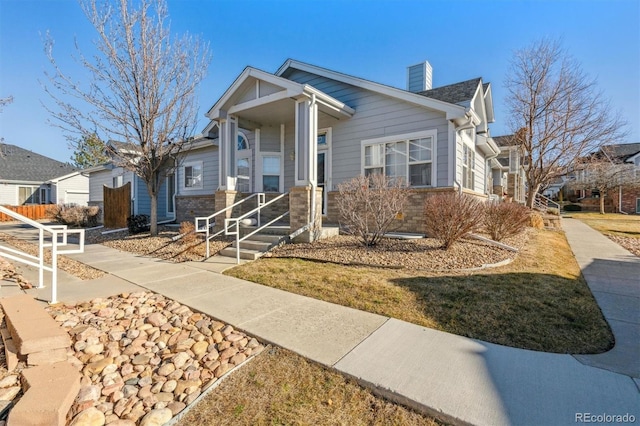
x,y
459,379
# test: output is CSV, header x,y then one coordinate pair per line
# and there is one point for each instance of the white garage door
x,y
76,197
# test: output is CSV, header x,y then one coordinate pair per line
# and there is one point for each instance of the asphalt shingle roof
x,y
622,151
454,93
23,165
506,140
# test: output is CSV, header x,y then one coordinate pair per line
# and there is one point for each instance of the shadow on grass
x,y
541,312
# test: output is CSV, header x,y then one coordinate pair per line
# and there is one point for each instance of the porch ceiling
x,y
277,112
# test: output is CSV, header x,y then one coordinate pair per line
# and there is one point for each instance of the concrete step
x,y
244,253
251,244
266,238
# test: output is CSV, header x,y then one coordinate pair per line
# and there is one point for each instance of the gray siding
x,y
270,139
96,181
209,158
376,116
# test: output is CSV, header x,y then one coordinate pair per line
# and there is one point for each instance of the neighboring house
x,y
509,179
30,178
305,129
627,198
183,188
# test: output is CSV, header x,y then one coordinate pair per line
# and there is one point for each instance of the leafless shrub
x,y
75,216
536,221
503,220
451,216
369,205
188,232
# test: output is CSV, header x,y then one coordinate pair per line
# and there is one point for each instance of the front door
x,y
322,178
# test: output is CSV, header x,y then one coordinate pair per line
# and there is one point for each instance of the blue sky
x,y
374,39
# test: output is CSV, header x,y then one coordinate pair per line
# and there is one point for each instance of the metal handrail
x,y
208,224
236,223
56,232
544,206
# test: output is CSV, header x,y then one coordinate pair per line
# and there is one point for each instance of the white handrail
x,y
208,224
56,232
236,222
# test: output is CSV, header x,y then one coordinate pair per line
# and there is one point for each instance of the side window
x,y
271,174
192,176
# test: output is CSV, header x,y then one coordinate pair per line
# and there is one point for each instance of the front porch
x,y
275,138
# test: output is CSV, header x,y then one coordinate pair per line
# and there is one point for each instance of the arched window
x,y
243,164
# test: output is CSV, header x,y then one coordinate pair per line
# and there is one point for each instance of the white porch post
x,y
223,142
303,200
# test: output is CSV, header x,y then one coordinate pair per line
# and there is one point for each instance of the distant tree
x,y
141,89
556,112
89,151
601,172
3,103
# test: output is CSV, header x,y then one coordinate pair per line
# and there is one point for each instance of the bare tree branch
x,y
556,112
141,90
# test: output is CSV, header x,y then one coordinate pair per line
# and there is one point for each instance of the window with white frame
x,y
28,195
271,173
243,164
409,157
468,167
192,176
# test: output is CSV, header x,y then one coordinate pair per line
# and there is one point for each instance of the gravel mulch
x,y
630,243
416,254
190,248
70,266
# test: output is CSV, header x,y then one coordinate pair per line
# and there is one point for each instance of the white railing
x,y
232,225
49,236
209,221
542,203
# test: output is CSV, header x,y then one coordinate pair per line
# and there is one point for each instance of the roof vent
x,y
419,77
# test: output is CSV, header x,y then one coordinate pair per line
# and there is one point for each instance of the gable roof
x,y
18,164
452,110
455,93
621,152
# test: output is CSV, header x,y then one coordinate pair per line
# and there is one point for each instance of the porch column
x,y
228,137
223,199
305,200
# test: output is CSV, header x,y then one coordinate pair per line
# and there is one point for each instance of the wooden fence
x,y
33,211
117,206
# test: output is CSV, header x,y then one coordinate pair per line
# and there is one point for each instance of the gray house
x,y
305,129
30,178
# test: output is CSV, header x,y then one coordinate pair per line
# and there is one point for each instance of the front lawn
x,y
611,223
539,301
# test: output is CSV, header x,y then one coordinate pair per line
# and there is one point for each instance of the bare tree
x,y
369,206
602,172
556,112
3,103
141,89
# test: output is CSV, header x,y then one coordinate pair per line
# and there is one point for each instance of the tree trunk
x,y
531,195
154,215
601,203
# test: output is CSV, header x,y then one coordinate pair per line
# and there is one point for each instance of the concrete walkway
x,y
458,379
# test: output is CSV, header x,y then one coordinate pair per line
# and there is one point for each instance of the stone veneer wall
x,y
190,207
300,211
411,220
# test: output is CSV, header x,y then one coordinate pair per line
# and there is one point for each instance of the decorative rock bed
x,y
144,358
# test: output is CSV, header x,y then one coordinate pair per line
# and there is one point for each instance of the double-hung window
x,y
192,175
468,163
271,173
407,157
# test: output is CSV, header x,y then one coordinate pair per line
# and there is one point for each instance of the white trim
x,y
452,148
432,133
452,111
327,149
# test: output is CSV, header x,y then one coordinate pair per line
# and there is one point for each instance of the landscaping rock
x,y
89,417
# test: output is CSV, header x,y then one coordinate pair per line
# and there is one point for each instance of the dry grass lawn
x,y
538,302
611,223
281,388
